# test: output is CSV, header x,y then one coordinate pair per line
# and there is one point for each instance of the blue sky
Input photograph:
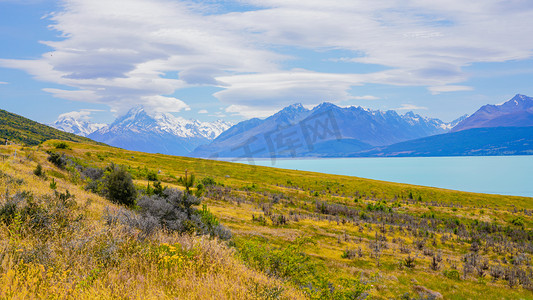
x,y
239,59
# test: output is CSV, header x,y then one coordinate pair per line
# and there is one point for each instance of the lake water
x,y
508,175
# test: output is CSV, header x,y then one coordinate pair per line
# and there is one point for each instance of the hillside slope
x,y
325,236
18,129
60,241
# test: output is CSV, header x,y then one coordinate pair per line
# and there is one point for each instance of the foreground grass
x,y
73,253
351,234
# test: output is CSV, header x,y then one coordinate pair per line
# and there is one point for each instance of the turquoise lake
x,y
507,175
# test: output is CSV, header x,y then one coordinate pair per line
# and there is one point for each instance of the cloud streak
x,y
128,52
410,107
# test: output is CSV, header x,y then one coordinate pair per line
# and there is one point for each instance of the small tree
x,y
120,188
38,170
200,189
188,181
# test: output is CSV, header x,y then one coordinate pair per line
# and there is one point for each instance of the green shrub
x,y
200,189
173,211
62,145
53,184
151,176
518,221
59,160
452,274
409,262
292,264
52,215
207,181
38,171
120,188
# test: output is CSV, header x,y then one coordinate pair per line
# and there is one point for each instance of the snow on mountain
x,y
326,130
76,123
158,133
137,120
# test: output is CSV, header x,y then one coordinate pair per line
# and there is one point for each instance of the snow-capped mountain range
x,y
137,120
325,130
72,123
153,133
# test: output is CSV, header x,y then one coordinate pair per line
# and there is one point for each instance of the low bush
x,y
24,213
62,145
38,171
207,181
452,274
292,264
120,188
171,211
59,160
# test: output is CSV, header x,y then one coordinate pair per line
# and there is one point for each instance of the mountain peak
x,y
77,123
519,100
325,106
290,113
294,108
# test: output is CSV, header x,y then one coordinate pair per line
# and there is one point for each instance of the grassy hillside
x,y
59,241
25,131
295,234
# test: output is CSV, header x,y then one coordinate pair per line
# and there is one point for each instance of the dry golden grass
x,y
213,271
90,259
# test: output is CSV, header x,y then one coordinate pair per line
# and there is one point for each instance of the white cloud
x,y
84,114
3,82
164,104
203,111
128,52
120,52
250,111
449,88
268,91
78,95
365,97
410,107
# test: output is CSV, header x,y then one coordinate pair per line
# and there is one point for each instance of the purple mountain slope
x,y
517,112
326,130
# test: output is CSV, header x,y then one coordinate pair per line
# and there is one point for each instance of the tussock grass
x,y
74,253
361,234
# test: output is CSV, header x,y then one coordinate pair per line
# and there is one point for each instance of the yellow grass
x,y
109,262
217,272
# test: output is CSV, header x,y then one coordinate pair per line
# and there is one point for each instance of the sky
x,y
239,59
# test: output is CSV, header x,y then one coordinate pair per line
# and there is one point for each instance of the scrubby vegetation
x,y
239,231
69,242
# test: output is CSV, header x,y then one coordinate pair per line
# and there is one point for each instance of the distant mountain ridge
x,y
291,132
326,130
469,142
158,133
517,112
504,129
